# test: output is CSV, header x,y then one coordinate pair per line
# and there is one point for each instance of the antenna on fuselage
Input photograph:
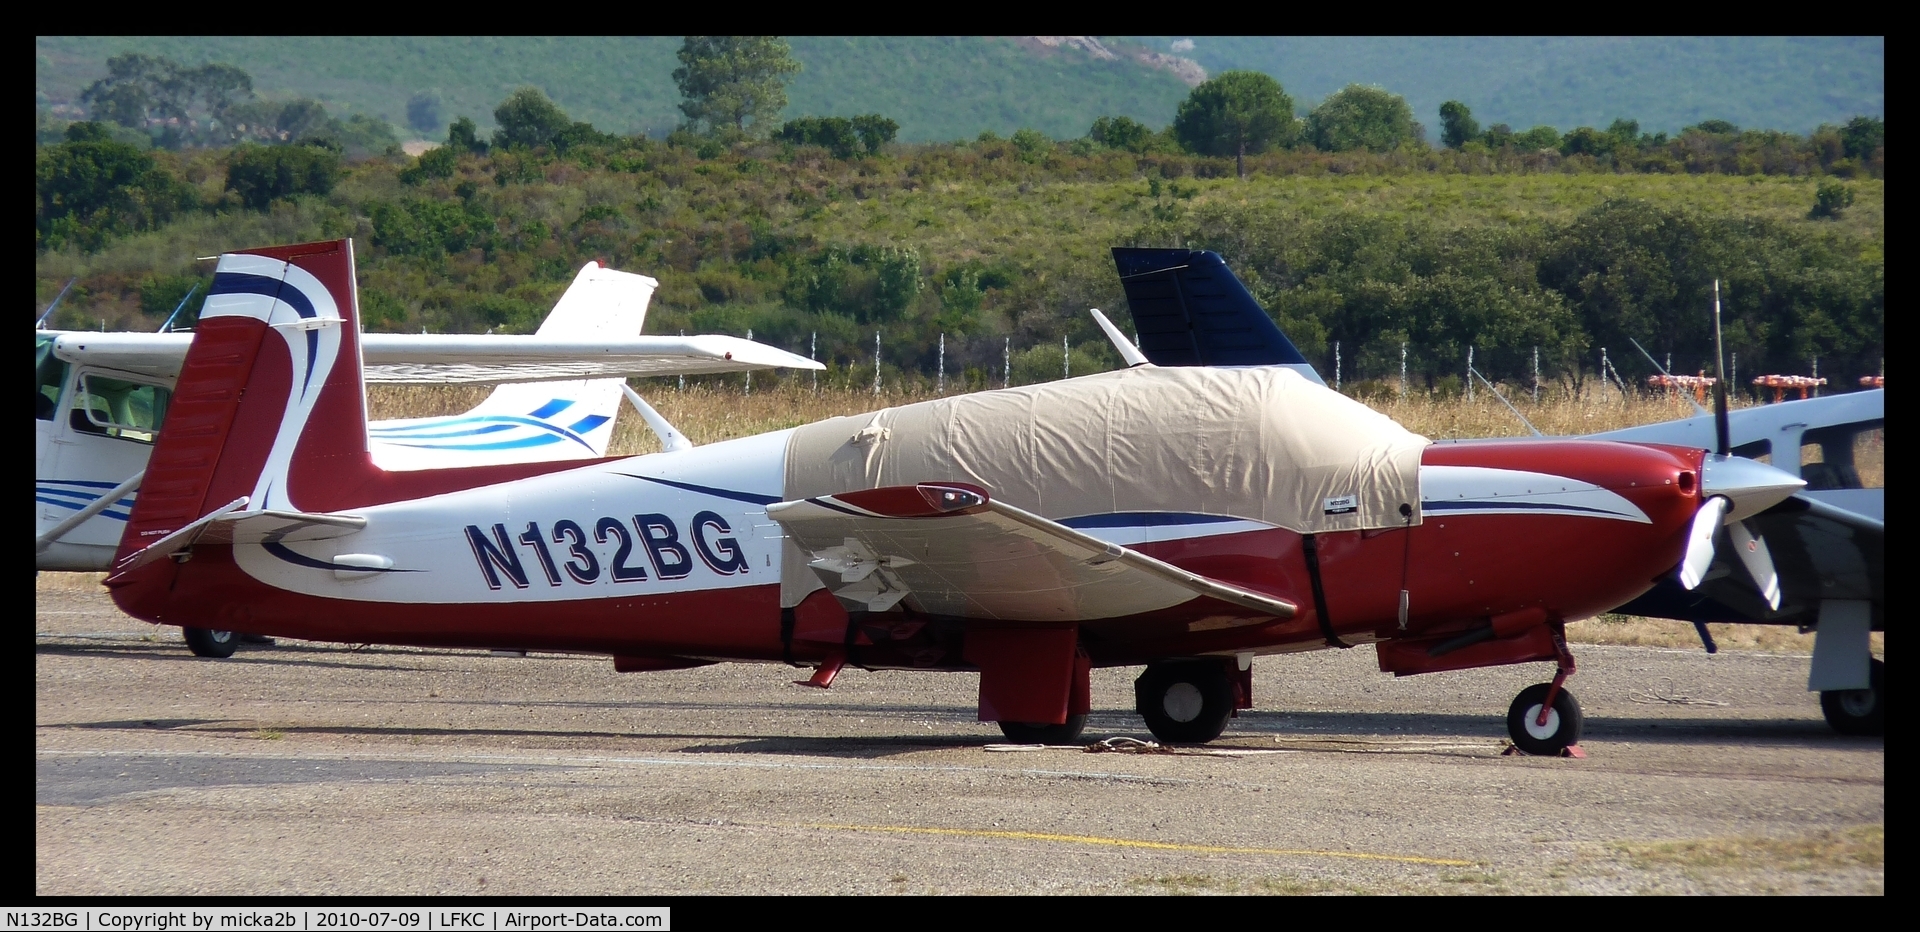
x,y
1128,352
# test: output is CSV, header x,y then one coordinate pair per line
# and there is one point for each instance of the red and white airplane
x,y
1188,519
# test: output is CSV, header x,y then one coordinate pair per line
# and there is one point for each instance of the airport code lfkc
x,y
159,919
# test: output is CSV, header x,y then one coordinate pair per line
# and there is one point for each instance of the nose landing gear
x,y
1545,719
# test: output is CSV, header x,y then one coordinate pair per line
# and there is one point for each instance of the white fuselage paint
x,y
437,559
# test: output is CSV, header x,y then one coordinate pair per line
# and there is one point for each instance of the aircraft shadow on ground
x,y
1493,727
176,653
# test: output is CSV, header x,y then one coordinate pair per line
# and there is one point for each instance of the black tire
x,y
206,642
1031,733
1185,702
1563,726
1859,711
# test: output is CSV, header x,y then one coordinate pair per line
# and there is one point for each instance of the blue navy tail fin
x,y
1190,310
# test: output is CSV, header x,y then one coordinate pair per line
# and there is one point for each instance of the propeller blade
x,y
1758,561
1706,523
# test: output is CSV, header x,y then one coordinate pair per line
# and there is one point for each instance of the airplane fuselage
x,y
673,556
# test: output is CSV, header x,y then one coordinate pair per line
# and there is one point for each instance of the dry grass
x,y
1630,631
1859,846
711,412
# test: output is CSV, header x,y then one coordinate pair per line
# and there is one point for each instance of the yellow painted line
x,y
1136,843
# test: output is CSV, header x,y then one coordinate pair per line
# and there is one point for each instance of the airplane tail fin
x,y
533,421
1190,310
269,405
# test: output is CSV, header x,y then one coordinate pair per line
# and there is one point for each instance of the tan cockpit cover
x,y
1258,443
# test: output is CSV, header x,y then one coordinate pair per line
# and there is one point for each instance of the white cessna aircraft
x,y
103,396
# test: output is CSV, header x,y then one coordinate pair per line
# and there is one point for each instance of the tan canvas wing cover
x,y
1258,443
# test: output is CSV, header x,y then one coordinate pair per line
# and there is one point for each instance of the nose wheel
x,y
1544,720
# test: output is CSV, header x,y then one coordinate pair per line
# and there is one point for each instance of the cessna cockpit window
x,y
118,408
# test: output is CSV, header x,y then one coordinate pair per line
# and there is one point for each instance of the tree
x,y
734,82
1831,198
528,119
1457,125
261,175
91,188
140,89
1362,117
1234,114
837,135
463,136
875,131
1121,133
1862,135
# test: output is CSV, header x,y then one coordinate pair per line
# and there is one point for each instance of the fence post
x,y
1006,364
749,390
1066,360
813,349
1536,375
683,379
942,385
876,364
1403,368
1469,372
1336,365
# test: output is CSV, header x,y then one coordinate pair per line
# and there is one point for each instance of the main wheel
x,y
1185,702
1562,728
1032,733
206,642
1859,711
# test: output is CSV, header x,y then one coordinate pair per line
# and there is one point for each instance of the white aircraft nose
x,y
1751,486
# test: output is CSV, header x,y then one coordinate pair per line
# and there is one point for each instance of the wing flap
x,y
948,549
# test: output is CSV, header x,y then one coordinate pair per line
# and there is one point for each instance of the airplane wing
x,y
445,358
948,549
468,358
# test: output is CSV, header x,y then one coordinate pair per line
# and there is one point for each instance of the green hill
x,y
937,88
945,88
1790,83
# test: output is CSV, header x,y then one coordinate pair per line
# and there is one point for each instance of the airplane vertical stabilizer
x,y
269,393
1190,310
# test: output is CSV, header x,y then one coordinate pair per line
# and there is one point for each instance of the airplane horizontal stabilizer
x,y
228,524
948,549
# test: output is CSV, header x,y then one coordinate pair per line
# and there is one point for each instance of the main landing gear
x,y
1859,711
207,642
1545,719
1185,701
1032,733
